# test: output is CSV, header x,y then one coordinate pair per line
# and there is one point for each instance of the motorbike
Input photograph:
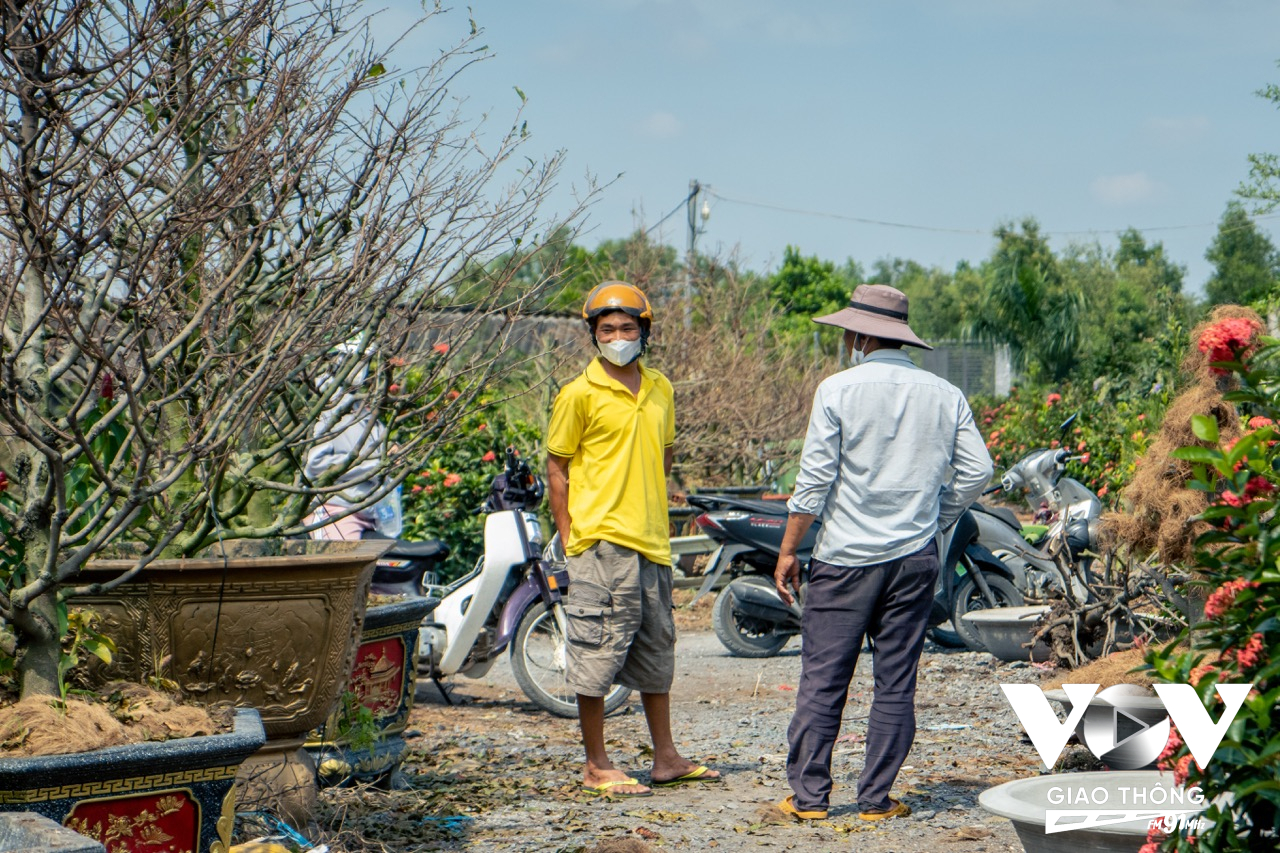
x,y
751,619
512,601
1059,561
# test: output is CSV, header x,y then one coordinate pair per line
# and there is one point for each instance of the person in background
x,y
350,437
609,454
891,456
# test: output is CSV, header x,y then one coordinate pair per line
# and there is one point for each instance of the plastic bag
x,y
388,514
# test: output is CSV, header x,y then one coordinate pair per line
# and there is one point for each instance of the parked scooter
x,y
511,600
751,619
1059,562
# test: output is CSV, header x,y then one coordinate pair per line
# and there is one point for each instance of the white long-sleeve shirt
x,y
892,454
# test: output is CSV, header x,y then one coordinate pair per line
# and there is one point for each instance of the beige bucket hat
x,y
879,311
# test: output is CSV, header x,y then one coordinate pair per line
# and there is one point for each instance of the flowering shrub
x,y
1239,640
441,498
1109,437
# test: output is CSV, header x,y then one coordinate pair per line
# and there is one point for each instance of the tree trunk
x,y
42,649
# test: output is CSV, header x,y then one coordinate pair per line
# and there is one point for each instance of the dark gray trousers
x,y
888,602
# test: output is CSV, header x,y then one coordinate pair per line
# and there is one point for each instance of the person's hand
x,y
788,570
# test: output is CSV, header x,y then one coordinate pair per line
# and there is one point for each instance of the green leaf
x,y
520,92
98,648
1205,428
377,70
1197,454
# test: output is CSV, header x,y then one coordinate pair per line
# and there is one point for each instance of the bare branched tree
x,y
198,202
742,396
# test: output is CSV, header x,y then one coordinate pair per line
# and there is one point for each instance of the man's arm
x,y
973,470
668,456
558,495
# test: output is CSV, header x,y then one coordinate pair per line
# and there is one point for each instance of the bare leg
x,y
667,761
599,768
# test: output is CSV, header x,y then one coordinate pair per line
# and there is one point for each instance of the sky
x,y
811,121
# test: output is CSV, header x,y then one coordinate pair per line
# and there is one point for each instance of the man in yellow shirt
x,y
608,457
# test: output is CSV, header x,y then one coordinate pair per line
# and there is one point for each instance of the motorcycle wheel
x,y
537,662
969,599
742,636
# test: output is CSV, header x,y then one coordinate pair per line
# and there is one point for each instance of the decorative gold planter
x,y
271,625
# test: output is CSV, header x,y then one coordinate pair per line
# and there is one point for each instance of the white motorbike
x,y
511,600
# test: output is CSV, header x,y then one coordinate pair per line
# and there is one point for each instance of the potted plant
x,y
200,202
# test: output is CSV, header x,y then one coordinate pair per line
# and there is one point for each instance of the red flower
x,y
1232,499
1258,486
393,388
1228,339
4,481
1258,422
441,348
1182,769
1102,492
1142,417
1171,747
1224,597
453,395
452,479
1052,398
482,427
1251,654
416,489
490,457
1085,458
108,391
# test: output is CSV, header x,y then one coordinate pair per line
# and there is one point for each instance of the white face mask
x,y
621,352
856,355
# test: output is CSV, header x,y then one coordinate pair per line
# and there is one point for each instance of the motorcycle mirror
x,y
1066,425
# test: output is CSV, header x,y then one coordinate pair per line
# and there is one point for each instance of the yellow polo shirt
x,y
615,442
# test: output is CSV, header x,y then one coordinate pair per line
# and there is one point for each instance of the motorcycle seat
x,y
1003,513
428,549
715,502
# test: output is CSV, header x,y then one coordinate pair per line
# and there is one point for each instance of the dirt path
x,y
511,771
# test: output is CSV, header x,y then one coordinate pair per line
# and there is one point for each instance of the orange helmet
x,y
617,296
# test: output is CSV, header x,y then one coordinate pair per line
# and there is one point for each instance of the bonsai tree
x,y
198,202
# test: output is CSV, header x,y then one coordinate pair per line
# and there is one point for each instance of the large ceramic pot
x,y
382,680
1123,803
1005,630
271,625
166,796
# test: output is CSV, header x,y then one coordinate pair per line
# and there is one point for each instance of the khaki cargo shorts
x,y
620,625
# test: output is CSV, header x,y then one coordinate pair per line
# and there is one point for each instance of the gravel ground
x,y
512,772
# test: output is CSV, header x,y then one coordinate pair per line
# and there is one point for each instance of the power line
x,y
682,203
986,232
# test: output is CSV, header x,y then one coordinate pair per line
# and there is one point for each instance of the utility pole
x,y
695,189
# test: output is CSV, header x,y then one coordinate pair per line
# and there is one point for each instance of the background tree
x,y
198,202
804,288
1246,265
1027,304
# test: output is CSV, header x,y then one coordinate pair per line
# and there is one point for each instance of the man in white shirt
x,y
892,455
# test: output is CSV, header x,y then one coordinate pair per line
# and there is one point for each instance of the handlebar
x,y
991,491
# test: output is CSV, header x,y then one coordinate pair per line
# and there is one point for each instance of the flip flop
x,y
698,774
603,789
896,809
788,806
